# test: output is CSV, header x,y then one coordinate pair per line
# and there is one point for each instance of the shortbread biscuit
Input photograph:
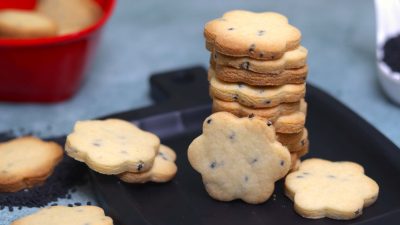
x,y
291,139
16,23
26,162
289,76
293,59
71,15
163,170
257,35
297,146
286,118
79,215
238,158
112,146
337,190
255,97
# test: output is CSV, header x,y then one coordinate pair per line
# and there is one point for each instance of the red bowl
x,y
47,69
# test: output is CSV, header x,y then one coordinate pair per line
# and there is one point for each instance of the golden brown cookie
x,y
238,158
26,162
255,96
163,170
292,59
337,190
266,35
289,76
16,23
286,118
70,15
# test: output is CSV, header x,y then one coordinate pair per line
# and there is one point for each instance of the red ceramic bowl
x,y
47,69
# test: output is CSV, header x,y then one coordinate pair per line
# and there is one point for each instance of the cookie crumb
x,y
209,121
251,115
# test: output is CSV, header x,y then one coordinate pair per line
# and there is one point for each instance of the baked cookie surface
x,y
264,35
16,23
292,59
255,96
238,158
62,215
26,162
337,190
112,146
163,170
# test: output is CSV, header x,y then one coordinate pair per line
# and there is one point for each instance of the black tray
x,y
336,133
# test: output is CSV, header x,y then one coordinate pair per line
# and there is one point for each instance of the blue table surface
x,y
151,36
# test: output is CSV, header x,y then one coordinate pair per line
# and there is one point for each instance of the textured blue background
x,y
155,35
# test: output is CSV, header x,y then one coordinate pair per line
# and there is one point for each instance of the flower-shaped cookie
x,y
82,215
26,162
238,158
163,170
112,146
257,35
338,190
255,97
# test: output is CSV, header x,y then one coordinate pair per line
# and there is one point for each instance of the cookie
x,y
240,33
286,118
112,146
26,162
71,15
85,215
291,139
337,190
297,146
255,97
233,75
238,158
16,23
293,59
163,170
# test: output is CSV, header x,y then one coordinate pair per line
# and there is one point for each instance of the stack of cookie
x,y
258,68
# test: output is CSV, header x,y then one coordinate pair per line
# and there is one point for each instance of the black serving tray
x,y
182,103
336,133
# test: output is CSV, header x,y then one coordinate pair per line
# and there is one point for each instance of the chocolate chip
x,y
77,203
331,176
19,207
267,102
213,165
88,203
299,176
245,65
303,142
97,144
269,123
10,208
240,85
231,28
232,135
70,205
254,161
162,155
252,48
261,32
215,55
235,97
140,166
251,115
357,212
246,178
209,121
261,54
282,163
